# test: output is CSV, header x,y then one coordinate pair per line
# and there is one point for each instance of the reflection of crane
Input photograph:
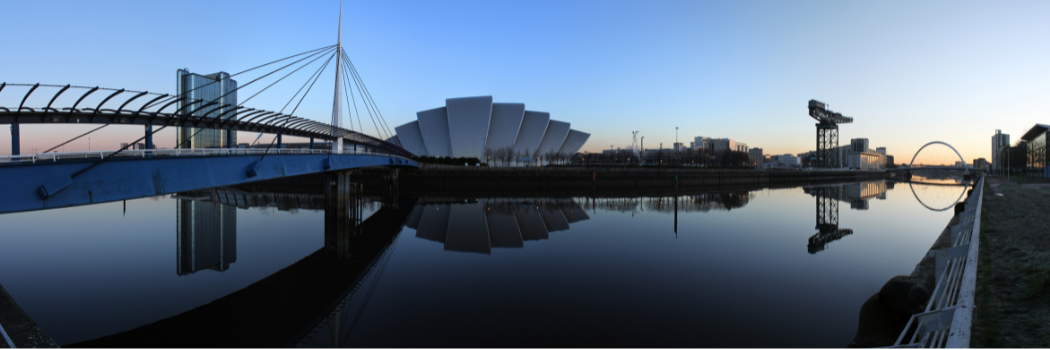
x,y
827,134
827,218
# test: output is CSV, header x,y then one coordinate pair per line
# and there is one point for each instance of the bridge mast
x,y
337,105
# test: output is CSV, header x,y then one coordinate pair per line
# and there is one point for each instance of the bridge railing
x,y
178,152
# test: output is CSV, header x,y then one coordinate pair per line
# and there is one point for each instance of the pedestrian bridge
x,y
56,180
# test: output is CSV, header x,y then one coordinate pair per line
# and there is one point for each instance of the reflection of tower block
x,y
342,212
827,219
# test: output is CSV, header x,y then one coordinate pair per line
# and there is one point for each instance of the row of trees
x,y
509,156
687,157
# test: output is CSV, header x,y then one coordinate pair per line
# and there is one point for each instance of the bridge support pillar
x,y
311,143
390,182
15,149
279,146
342,212
149,136
229,139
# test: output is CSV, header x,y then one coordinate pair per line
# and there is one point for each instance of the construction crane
x,y
827,134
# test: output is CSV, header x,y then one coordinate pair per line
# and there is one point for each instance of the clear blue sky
x,y
908,72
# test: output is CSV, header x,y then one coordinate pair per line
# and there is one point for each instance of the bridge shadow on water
x,y
275,311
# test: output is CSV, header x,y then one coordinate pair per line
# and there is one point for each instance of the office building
x,y
858,145
755,154
678,146
196,92
999,142
785,159
881,150
1035,139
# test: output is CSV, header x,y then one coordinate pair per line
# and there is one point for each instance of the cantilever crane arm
x,y
818,112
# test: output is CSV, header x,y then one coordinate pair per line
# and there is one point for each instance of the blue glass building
x,y
206,88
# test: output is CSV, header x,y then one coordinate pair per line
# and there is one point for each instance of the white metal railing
x,y
949,313
178,152
7,342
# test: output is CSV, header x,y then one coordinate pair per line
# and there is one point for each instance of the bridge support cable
x,y
346,96
319,54
263,65
366,97
312,76
346,80
75,138
282,78
364,101
369,94
252,171
260,78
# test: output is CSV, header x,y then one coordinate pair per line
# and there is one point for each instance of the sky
x,y
907,72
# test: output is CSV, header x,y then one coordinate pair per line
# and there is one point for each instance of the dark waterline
x,y
580,271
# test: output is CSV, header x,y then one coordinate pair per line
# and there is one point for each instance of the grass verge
x,y
1013,275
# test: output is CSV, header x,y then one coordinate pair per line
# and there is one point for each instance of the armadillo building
x,y
467,126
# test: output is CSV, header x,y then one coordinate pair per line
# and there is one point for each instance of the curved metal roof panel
x,y
573,142
468,125
505,124
433,124
553,137
411,138
533,125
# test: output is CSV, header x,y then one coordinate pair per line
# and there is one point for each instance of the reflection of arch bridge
x,y
962,192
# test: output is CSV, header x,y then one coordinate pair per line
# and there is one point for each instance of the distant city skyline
x,y
908,73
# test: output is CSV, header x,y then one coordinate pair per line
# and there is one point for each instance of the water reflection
x,y
477,226
827,210
207,235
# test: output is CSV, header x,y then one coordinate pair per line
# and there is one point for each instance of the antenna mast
x,y
337,105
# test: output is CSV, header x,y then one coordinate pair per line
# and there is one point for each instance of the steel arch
x,y
933,142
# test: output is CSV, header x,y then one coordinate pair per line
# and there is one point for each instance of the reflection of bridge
x,y
296,298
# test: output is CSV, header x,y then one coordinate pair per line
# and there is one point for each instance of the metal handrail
x,y
948,317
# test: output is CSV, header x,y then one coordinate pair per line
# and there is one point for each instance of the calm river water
x,y
759,268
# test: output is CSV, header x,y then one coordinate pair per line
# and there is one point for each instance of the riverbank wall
x,y
17,329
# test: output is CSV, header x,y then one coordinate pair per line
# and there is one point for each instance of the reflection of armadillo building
x,y
468,126
479,226
207,236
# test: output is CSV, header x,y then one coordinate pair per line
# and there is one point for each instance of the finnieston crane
x,y
827,134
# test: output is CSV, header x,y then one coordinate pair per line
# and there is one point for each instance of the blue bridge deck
x,y
141,175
